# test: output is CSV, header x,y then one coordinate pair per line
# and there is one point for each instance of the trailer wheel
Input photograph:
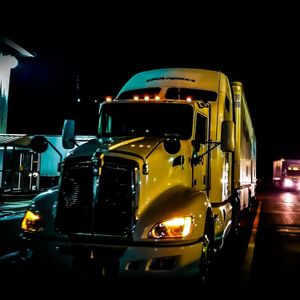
x,y
252,201
208,251
236,215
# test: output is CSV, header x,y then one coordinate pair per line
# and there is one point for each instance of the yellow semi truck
x,y
162,185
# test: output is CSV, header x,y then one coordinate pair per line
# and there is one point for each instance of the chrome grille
x,y
74,209
103,205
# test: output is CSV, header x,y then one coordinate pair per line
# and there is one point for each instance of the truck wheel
x,y
208,251
236,216
252,201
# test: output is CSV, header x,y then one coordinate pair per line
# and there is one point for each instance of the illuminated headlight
x,y
173,228
288,182
32,222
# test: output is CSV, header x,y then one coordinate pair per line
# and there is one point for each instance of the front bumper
x,y
140,259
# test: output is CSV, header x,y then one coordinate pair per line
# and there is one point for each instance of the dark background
x,y
44,89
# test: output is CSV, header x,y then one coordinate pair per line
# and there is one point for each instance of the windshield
x,y
293,171
145,119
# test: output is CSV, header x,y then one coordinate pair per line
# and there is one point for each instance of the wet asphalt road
x,y
276,262
264,259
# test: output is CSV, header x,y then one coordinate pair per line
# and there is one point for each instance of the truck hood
x,y
139,147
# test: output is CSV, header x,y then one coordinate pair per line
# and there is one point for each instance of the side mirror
x,y
227,136
39,144
68,134
172,143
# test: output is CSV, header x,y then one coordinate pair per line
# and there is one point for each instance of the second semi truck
x,y
286,173
162,185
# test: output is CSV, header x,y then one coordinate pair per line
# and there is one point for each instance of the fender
x,y
45,205
175,202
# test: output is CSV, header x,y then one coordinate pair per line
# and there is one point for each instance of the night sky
x,y
44,89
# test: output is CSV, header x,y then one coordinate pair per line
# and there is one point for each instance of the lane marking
x,y
245,274
282,212
288,230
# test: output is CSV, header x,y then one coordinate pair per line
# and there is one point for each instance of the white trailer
x,y
245,150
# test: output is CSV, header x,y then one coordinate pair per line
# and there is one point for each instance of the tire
x,y
236,216
252,201
208,251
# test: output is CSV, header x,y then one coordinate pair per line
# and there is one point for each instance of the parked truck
x,y
286,173
162,185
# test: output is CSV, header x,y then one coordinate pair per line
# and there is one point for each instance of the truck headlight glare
x,y
172,228
288,182
32,222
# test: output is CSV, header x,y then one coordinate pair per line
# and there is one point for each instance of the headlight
x,y
288,182
32,222
173,228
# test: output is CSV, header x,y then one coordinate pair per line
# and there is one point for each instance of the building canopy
x,y
15,140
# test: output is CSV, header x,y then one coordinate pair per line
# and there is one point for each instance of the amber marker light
x,y
32,222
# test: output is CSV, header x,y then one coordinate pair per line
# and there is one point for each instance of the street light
x,y
8,61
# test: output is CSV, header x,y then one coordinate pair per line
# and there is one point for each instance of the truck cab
x,y
286,174
153,193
